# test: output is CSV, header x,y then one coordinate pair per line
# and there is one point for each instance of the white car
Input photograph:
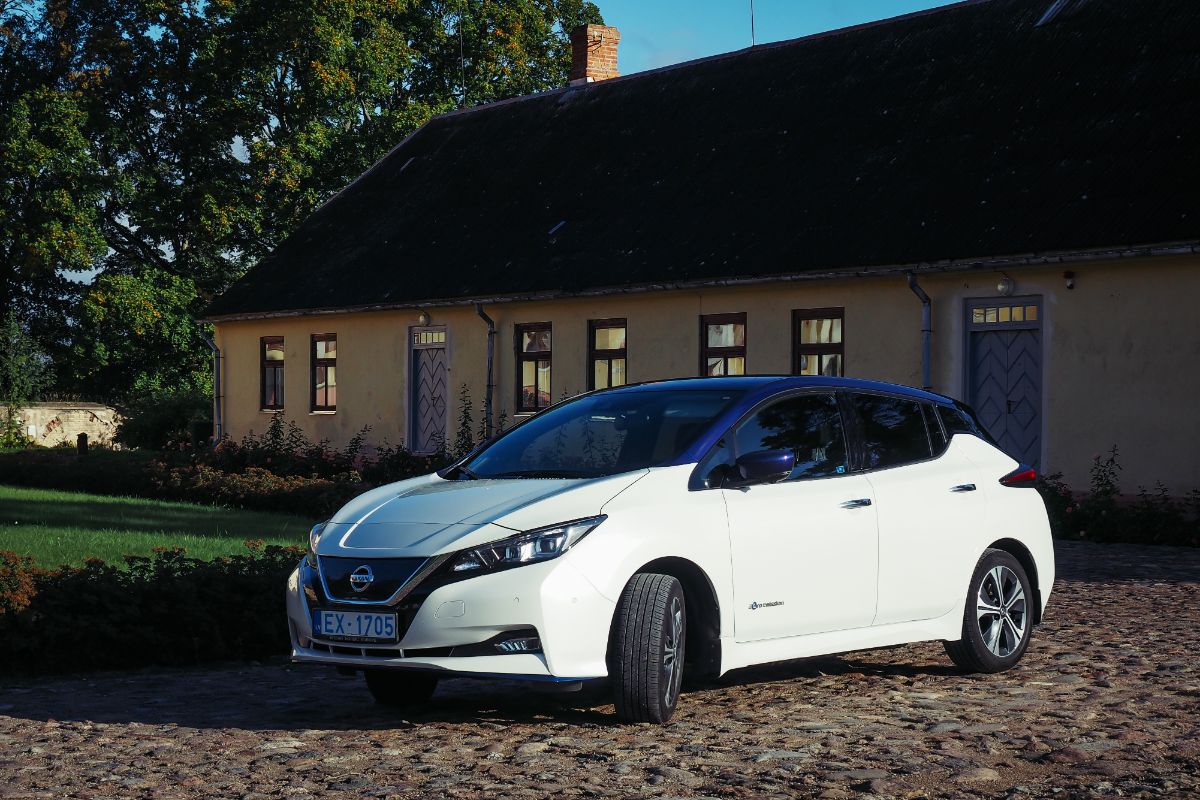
x,y
702,525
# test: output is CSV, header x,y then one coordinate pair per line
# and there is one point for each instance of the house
x,y
996,199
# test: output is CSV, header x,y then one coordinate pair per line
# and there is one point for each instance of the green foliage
x,y
110,472
23,374
136,340
167,609
1101,515
49,198
23,366
12,431
171,144
257,488
328,89
279,470
170,418
464,437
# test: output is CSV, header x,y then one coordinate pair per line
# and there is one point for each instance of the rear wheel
x,y
400,689
648,648
998,620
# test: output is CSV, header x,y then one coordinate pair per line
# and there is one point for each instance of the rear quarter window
x,y
960,419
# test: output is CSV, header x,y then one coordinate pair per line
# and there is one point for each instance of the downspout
x,y
218,423
491,351
926,328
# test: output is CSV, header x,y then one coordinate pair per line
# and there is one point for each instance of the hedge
x,y
163,610
280,470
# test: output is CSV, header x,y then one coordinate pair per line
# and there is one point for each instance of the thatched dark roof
x,y
960,133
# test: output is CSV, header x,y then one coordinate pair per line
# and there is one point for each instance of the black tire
x,y
994,642
647,652
400,689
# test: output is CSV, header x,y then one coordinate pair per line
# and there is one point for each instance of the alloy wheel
x,y
1001,611
672,651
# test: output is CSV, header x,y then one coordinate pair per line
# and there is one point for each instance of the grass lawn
x,y
68,527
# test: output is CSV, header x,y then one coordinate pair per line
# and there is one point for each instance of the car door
x,y
804,549
926,497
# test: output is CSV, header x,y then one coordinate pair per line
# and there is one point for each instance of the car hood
x,y
428,516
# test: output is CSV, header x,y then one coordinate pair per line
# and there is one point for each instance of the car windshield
x,y
603,434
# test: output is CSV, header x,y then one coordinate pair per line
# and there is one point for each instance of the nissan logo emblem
x,y
362,578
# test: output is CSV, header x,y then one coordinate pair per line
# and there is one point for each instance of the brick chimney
x,y
594,53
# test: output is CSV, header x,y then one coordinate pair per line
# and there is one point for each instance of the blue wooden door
x,y
429,390
1004,372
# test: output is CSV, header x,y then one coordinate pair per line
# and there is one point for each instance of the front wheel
x,y
400,689
647,652
997,622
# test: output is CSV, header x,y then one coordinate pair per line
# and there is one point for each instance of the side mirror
x,y
762,466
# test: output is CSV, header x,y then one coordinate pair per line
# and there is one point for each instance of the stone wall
x,y
49,424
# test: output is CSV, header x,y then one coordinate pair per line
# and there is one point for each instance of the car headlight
x,y
314,536
529,547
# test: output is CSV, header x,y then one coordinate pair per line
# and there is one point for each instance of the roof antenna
x,y
752,23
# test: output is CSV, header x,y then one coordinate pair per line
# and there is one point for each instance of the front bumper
x,y
571,618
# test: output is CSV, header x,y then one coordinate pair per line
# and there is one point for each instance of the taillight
x,y
1023,475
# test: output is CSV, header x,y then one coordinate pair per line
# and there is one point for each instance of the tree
x,y
49,195
332,87
23,374
136,337
170,143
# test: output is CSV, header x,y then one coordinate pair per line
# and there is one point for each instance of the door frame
x,y
969,327
411,385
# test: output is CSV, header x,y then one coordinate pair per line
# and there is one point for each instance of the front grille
x,y
388,575
406,610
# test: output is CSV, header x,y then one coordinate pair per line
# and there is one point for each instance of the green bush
x,y
1101,515
163,610
277,472
256,488
101,471
167,419
12,432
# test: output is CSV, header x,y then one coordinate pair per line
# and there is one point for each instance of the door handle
x,y
861,502
963,487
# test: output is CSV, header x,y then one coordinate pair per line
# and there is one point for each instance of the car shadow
x,y
286,697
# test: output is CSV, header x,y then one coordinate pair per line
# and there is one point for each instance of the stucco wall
x,y
49,424
1121,352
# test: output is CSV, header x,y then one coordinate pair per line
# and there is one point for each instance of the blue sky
x,y
655,33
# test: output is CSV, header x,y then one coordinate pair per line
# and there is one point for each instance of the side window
x,y
893,430
808,424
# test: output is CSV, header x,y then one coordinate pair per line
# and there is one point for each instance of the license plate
x,y
354,626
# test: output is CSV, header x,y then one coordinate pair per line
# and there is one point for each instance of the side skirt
x,y
735,655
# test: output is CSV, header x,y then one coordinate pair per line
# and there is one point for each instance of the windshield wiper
x,y
466,471
544,473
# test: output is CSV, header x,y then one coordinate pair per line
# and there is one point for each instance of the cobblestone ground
x,y
1106,703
